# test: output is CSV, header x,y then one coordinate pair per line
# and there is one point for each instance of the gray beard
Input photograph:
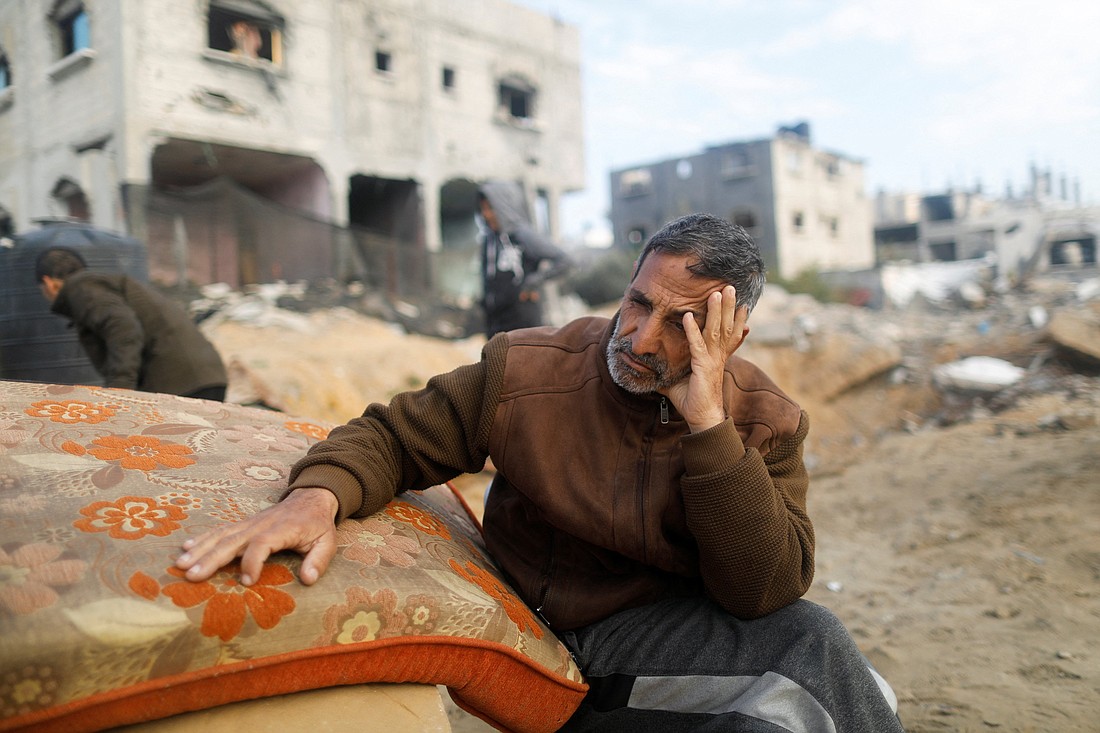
x,y
638,382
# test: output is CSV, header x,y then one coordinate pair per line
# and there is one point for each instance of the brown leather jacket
x,y
603,500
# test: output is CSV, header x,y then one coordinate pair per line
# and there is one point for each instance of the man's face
x,y
648,350
50,287
489,215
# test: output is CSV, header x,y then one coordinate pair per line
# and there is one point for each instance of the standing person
x,y
515,260
135,337
649,501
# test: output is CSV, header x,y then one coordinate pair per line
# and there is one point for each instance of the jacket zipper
x,y
643,471
547,576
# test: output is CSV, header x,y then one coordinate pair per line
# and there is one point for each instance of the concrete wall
x,y
61,117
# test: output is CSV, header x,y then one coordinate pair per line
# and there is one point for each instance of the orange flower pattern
x,y
515,608
365,617
29,575
307,429
71,411
403,511
100,490
229,603
141,452
131,518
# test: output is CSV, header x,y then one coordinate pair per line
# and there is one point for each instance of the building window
x,y
5,72
798,222
448,78
831,224
943,252
637,182
832,167
745,219
516,100
383,61
70,21
735,164
246,30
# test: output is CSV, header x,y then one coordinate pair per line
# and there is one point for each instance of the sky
x,y
928,93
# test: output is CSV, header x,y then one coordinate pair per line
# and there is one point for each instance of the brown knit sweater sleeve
x,y
420,439
747,513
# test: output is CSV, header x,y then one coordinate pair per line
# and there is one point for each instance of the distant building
x,y
805,207
239,137
1038,230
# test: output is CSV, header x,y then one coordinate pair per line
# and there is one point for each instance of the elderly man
x,y
649,501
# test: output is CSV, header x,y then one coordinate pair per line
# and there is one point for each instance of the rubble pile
x,y
328,350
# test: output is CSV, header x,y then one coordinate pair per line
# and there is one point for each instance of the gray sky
x,y
929,93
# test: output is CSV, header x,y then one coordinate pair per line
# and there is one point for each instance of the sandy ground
x,y
965,560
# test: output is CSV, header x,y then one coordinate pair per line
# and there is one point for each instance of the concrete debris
x,y
1077,333
934,362
935,281
977,373
1088,289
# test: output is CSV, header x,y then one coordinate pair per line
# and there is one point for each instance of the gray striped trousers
x,y
685,664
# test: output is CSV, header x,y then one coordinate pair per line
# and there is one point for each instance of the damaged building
x,y
804,206
1044,228
247,141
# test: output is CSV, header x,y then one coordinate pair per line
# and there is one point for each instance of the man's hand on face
x,y
303,522
698,397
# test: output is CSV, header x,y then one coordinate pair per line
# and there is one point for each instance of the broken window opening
x,y
943,251
516,100
72,28
245,36
938,208
383,61
448,77
746,219
637,182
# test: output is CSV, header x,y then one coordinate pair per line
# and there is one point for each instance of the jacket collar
x,y
641,402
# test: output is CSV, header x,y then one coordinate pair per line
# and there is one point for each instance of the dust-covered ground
x,y
958,535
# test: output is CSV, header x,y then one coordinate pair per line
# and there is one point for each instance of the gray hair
x,y
722,251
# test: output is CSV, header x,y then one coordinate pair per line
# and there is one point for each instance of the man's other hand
x,y
304,522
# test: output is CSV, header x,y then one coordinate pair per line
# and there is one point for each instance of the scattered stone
x,y
977,373
1003,612
1077,333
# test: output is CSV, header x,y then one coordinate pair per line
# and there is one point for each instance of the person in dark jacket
x,y
515,260
135,337
649,502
